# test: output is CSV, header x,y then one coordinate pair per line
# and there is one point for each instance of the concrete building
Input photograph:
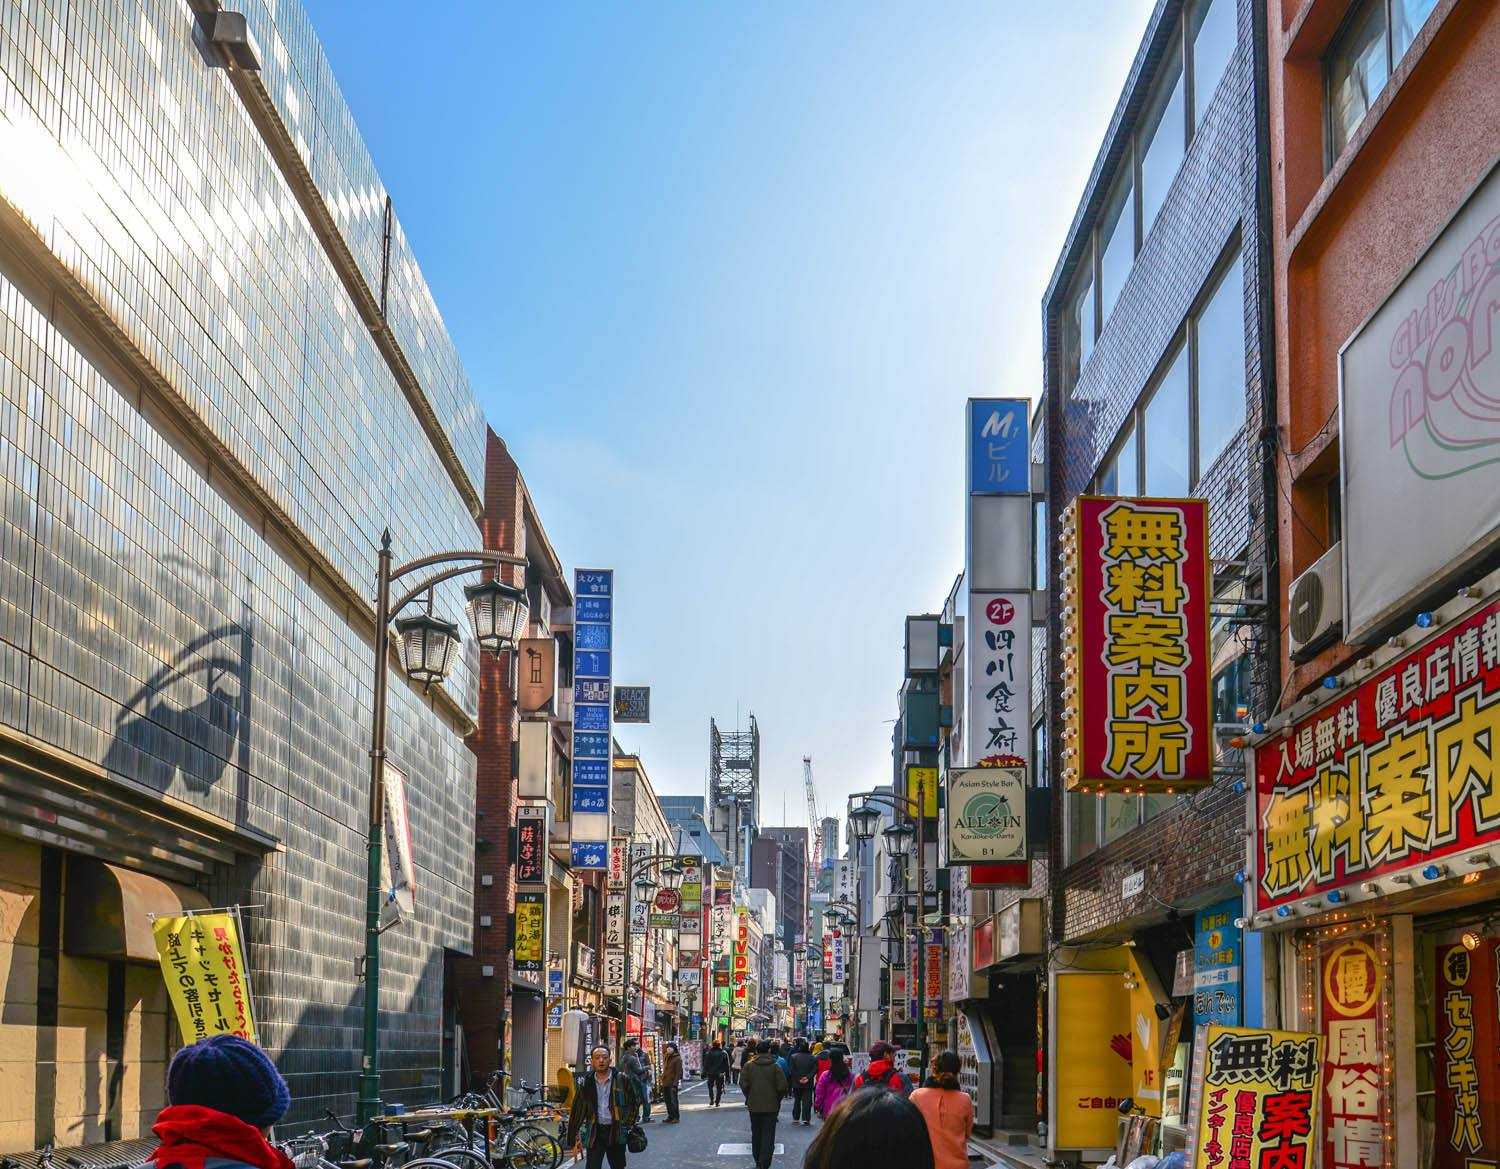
x,y
1155,322
222,377
779,862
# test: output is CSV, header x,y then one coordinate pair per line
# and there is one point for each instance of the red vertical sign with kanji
x,y
1355,1103
1466,1068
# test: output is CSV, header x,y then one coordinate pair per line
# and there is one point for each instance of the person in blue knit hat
x,y
223,1096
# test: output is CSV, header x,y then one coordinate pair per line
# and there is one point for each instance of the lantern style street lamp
x,y
428,646
864,821
898,840
498,613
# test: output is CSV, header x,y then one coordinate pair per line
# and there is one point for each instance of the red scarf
x,y
190,1134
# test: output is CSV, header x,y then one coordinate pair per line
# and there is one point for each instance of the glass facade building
x,y
222,375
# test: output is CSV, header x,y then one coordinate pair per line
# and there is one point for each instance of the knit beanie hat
x,y
229,1074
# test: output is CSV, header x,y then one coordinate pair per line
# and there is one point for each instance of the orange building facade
x,y
1375,870
1352,211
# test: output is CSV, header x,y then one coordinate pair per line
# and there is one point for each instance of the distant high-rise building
x,y
778,862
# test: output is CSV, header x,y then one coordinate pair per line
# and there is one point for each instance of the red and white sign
x,y
1466,1071
668,900
1356,1107
1137,712
1393,774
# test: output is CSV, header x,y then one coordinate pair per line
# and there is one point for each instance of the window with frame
x,y
1199,51
1359,62
1194,407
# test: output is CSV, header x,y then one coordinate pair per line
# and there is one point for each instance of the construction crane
x,y
812,814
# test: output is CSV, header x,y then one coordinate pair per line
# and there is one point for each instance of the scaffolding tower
x,y
734,790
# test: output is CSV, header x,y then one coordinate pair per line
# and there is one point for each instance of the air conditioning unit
x,y
1315,609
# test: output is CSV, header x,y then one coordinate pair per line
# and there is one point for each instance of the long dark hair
x,y
945,1070
837,1068
871,1127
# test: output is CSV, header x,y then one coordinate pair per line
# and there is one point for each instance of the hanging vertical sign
x,y
1356,1105
593,742
529,944
531,845
1216,965
1467,1055
741,966
1137,714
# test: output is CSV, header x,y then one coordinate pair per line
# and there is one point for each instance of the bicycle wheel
x,y
462,1157
528,1147
434,1162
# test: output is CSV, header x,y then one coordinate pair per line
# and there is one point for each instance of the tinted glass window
x,y
1221,366
1162,141
1078,326
1118,475
1213,35
1167,432
1083,825
1116,247
1121,814
1357,72
1407,19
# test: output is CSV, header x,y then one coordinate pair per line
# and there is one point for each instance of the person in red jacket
x,y
882,1070
223,1096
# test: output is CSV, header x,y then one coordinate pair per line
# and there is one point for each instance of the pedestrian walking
x,y
715,1069
882,1070
948,1111
736,1061
671,1082
638,1069
802,1069
223,1096
605,1105
834,1083
870,1129
764,1084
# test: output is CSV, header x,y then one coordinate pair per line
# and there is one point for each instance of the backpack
x,y
892,1083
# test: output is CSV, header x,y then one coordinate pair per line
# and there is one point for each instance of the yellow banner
x,y
203,964
922,788
1257,1099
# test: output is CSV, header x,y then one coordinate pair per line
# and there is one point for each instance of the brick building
x,y
1154,385
1373,856
522,752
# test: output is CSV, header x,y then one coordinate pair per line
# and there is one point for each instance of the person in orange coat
x,y
948,1111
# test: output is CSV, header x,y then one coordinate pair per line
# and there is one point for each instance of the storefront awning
x,y
110,910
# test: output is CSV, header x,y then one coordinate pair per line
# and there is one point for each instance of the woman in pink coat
x,y
833,1085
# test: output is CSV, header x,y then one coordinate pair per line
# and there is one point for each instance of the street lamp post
x,y
863,821
498,614
639,877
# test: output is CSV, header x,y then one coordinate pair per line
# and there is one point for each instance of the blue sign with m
x,y
999,435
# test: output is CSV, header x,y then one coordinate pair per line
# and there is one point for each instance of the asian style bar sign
x,y
1137,715
1394,774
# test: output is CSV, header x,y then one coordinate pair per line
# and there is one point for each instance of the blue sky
x,y
723,276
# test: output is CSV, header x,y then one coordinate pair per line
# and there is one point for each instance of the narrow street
x,y
717,1137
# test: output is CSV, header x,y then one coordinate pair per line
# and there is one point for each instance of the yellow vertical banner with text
x,y
203,962
922,788
1257,1098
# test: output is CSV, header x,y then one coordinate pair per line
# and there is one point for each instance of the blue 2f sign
x,y
999,446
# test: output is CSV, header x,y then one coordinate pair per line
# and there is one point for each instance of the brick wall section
x,y
483,1001
1192,851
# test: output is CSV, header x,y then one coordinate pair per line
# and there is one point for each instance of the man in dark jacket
x,y
715,1068
604,1108
633,1064
803,1074
223,1094
671,1082
764,1084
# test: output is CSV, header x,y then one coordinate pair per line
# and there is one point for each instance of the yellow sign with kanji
x,y
922,788
208,982
1137,715
1257,1098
